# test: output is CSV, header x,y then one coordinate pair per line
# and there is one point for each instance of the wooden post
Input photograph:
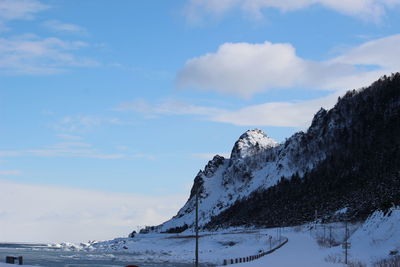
x,y
10,259
270,242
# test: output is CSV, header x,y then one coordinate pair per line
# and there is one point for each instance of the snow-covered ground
x,y
376,239
309,245
300,251
302,247
214,247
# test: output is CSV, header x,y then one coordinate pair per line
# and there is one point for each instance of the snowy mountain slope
x,y
256,162
365,118
378,237
352,153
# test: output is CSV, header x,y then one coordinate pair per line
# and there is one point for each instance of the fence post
x,y
243,259
10,259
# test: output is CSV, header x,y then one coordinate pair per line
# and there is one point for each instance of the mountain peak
x,y
250,143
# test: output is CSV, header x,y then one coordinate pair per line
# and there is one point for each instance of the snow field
x,y
309,245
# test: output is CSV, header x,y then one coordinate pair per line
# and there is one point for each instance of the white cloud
x,y
9,153
383,52
166,107
121,148
67,149
44,213
287,114
29,54
10,172
246,69
66,145
69,137
20,9
59,26
363,9
83,123
74,149
284,114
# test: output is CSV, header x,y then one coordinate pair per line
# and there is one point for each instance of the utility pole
x,y
330,236
280,234
346,244
197,230
316,222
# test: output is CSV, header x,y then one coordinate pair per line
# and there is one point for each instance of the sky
x,y
108,109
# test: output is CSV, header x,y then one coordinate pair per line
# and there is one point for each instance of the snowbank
x,y
377,237
214,246
309,245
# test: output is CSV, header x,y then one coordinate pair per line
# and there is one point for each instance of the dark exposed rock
x,y
209,170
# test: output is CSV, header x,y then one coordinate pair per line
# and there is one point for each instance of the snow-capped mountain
x,y
257,163
251,143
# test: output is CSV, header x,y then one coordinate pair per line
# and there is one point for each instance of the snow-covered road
x,y
300,251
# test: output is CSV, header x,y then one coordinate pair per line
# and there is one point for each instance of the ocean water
x,y
41,255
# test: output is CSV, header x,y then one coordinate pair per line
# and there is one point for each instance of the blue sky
x,y
132,98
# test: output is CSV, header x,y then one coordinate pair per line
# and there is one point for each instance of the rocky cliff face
x,y
349,159
257,163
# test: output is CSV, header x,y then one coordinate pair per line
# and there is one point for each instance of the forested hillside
x,y
359,174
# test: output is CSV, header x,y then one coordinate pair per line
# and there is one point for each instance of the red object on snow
x,y
131,266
